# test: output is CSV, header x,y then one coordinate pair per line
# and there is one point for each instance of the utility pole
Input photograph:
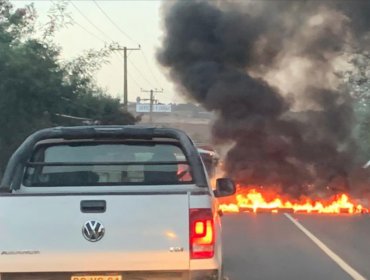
x,y
151,99
125,88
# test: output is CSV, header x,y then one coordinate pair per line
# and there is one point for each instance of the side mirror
x,y
224,187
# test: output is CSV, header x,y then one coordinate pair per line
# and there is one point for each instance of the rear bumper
x,y
137,275
204,275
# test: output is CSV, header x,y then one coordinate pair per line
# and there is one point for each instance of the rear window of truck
x,y
95,164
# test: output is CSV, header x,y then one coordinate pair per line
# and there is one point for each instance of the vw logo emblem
x,y
93,231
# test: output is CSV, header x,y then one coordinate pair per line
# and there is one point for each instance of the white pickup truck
x,y
109,203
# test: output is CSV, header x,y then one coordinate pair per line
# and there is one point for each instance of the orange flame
x,y
252,200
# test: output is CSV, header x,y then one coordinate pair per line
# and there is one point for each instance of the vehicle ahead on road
x,y
210,159
109,202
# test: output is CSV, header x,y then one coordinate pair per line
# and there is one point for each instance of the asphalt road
x,y
271,246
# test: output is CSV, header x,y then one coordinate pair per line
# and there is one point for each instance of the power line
x,y
113,22
81,26
140,73
149,67
152,100
129,37
89,32
130,76
128,73
105,35
88,20
125,87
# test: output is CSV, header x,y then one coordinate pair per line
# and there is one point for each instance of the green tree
x,y
37,90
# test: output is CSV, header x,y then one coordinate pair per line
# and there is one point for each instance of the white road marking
x,y
346,267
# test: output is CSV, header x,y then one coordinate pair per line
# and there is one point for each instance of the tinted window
x,y
84,164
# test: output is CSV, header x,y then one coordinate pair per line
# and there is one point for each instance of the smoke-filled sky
x,y
269,69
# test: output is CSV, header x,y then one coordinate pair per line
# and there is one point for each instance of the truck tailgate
x,y
142,232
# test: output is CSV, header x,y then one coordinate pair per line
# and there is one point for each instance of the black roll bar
x,y
14,171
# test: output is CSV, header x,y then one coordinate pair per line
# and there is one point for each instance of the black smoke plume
x,y
268,70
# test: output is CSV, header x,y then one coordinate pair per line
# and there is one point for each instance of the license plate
x,y
96,277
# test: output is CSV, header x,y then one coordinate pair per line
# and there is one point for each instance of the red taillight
x,y
202,235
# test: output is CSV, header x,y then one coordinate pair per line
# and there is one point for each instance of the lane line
x,y
339,261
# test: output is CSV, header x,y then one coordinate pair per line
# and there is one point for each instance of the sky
x,y
130,23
